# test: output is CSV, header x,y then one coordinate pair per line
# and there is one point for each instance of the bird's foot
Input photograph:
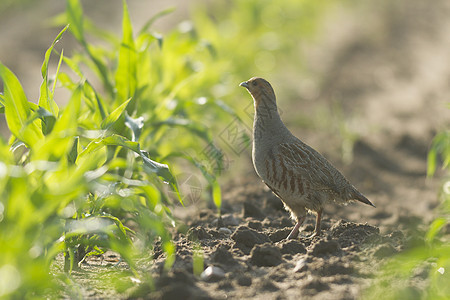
x,y
292,235
316,233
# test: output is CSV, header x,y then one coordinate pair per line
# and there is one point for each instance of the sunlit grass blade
x,y
114,115
68,120
46,97
217,196
95,101
57,73
125,76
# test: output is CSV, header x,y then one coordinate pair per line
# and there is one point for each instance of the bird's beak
x,y
244,84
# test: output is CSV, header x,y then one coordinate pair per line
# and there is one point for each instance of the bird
x,y
301,177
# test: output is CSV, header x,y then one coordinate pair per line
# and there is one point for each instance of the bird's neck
x,y
267,120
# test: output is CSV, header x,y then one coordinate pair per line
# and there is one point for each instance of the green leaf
x,y
217,195
150,166
92,29
125,76
73,153
91,95
57,73
192,126
150,22
431,162
435,228
135,125
156,167
441,146
114,116
68,121
47,118
75,18
46,98
17,109
117,140
73,66
197,260
169,248
2,104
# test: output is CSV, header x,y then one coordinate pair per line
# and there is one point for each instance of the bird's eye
x,y
254,83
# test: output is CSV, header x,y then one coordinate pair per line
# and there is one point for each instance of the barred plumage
x,y
299,175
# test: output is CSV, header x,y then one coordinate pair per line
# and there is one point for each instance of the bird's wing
x,y
306,164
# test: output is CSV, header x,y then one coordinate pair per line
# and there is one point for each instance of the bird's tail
x,y
356,195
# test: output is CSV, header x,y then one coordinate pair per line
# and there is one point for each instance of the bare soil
x,y
387,66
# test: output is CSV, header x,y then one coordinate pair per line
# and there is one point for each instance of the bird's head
x,y
260,89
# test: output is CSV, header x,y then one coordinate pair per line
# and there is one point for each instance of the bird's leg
x,y
317,230
294,233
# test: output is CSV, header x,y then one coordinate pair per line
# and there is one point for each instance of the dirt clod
x,y
244,280
198,233
325,247
315,285
265,255
246,238
291,247
384,251
279,235
253,211
223,256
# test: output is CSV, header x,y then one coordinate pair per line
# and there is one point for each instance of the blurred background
x,y
385,65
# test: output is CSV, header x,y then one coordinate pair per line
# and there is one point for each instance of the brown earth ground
x,y
386,67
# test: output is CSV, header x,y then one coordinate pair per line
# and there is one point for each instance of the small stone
x,y
212,273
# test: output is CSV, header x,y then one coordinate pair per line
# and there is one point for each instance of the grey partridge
x,y
299,175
